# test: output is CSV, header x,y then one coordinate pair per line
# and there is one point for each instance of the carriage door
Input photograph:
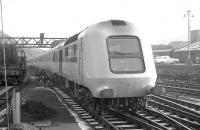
x,y
60,61
80,61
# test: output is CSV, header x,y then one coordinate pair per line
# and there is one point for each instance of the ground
x,y
62,119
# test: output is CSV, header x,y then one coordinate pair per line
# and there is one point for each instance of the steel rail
x,y
134,119
173,104
158,119
174,111
192,92
3,91
167,118
184,103
186,122
179,84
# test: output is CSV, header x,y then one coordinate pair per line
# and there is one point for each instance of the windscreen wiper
x,y
117,52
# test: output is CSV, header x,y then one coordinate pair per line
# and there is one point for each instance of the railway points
x,y
192,106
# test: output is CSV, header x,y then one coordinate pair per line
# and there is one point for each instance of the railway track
x,y
157,116
123,119
2,115
180,113
187,105
3,91
183,84
180,88
107,121
186,91
3,109
155,119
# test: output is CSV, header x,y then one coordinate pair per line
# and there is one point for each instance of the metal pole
x,y
188,36
188,15
5,71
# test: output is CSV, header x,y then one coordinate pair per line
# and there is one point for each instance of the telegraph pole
x,y
5,71
188,15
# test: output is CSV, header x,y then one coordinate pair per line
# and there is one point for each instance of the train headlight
x,y
107,93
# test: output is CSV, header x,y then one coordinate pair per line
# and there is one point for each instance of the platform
x,y
63,120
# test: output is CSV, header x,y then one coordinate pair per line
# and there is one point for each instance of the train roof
x,y
81,33
101,24
98,27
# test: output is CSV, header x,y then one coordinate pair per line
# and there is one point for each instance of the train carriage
x,y
106,60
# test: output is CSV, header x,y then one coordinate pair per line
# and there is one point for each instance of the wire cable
x,y
4,59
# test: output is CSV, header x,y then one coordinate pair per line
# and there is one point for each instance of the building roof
x,y
193,46
162,50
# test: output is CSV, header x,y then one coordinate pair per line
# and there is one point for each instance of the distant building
x,y
195,36
182,52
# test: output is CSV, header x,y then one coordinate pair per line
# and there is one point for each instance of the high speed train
x,y
107,60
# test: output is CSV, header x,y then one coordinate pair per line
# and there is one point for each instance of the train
x,y
15,60
107,62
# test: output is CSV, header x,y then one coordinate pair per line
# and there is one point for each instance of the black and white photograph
x,y
99,65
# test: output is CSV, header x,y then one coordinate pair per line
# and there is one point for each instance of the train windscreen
x,y
125,54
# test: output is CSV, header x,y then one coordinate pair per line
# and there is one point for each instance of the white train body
x,y
108,58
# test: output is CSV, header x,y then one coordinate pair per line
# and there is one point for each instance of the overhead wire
x,y
5,70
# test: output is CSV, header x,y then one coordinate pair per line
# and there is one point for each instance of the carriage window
x,y
19,53
75,50
125,54
54,57
70,51
66,51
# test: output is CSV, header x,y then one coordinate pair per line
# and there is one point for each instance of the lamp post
x,y
188,15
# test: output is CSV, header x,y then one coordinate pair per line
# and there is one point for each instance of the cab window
x,y
125,54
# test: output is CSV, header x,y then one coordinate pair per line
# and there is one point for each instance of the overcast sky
x,y
160,20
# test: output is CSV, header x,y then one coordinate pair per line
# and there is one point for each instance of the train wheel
x,y
99,106
135,107
106,104
91,105
116,103
135,104
144,102
122,103
85,101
